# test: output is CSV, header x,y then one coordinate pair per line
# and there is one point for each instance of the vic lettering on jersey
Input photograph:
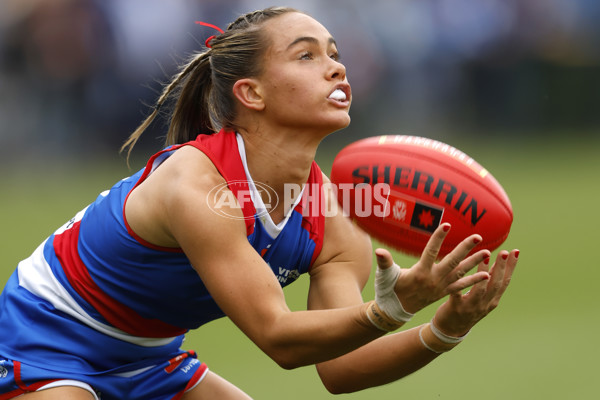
x,y
285,275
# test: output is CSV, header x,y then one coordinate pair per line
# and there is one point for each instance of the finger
x,y
478,290
455,298
458,254
511,263
468,264
467,281
384,258
497,273
484,265
434,244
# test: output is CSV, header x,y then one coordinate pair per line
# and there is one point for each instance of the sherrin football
x,y
399,189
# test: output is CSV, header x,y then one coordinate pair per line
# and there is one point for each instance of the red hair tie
x,y
207,42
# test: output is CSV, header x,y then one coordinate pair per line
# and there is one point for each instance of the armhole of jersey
x,y
150,168
147,171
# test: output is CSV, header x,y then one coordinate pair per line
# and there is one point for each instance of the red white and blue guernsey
x,y
94,300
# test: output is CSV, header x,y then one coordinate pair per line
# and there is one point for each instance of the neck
x,y
279,158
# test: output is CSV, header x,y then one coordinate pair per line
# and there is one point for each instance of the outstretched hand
x,y
428,281
462,311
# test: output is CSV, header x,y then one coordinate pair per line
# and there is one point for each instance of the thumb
x,y
386,278
384,258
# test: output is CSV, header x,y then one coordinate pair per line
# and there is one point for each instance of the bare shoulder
x,y
179,185
190,167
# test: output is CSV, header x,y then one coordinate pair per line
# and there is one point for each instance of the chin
x,y
338,120
327,126
337,127
343,123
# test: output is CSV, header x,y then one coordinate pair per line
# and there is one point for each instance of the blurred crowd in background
x,y
77,76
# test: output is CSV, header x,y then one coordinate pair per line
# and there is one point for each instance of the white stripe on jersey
x,y
261,209
35,275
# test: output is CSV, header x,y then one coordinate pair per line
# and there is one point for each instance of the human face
x,y
304,85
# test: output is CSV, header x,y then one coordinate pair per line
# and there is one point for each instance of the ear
x,y
247,91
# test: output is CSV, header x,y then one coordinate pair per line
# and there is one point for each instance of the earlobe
x,y
247,92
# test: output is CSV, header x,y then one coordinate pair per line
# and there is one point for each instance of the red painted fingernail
x,y
476,240
504,256
486,260
517,254
446,227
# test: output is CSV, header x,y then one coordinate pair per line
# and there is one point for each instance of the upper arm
x,y
342,269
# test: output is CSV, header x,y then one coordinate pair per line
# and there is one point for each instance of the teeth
x,y
338,94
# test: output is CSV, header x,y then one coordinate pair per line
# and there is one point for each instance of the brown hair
x,y
202,91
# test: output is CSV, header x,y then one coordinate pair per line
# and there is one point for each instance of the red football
x,y
399,189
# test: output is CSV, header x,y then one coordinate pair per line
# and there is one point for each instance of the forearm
x,y
382,361
309,337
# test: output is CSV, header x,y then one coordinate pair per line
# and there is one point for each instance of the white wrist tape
x,y
435,340
385,296
445,338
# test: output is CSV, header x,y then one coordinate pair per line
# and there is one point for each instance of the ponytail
x,y
191,115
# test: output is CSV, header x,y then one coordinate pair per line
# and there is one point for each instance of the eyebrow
x,y
310,39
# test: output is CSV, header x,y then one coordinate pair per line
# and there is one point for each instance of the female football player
x,y
100,309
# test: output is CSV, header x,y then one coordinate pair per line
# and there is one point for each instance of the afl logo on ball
x,y
3,372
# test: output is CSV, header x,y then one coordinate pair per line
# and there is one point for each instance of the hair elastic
x,y
207,41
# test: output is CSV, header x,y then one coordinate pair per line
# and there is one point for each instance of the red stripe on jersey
x,y
23,388
117,314
222,149
12,394
193,381
176,361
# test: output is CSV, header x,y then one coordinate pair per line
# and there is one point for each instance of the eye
x,y
306,56
335,56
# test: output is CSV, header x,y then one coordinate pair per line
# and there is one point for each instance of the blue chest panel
x,y
289,255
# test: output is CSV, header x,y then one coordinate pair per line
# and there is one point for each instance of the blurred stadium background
x,y
515,84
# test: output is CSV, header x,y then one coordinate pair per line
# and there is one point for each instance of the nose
x,y
337,70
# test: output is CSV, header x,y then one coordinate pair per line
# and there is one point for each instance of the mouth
x,y
341,94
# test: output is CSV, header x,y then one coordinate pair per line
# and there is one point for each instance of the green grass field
x,y
539,344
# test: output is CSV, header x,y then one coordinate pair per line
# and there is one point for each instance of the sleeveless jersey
x,y
94,282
